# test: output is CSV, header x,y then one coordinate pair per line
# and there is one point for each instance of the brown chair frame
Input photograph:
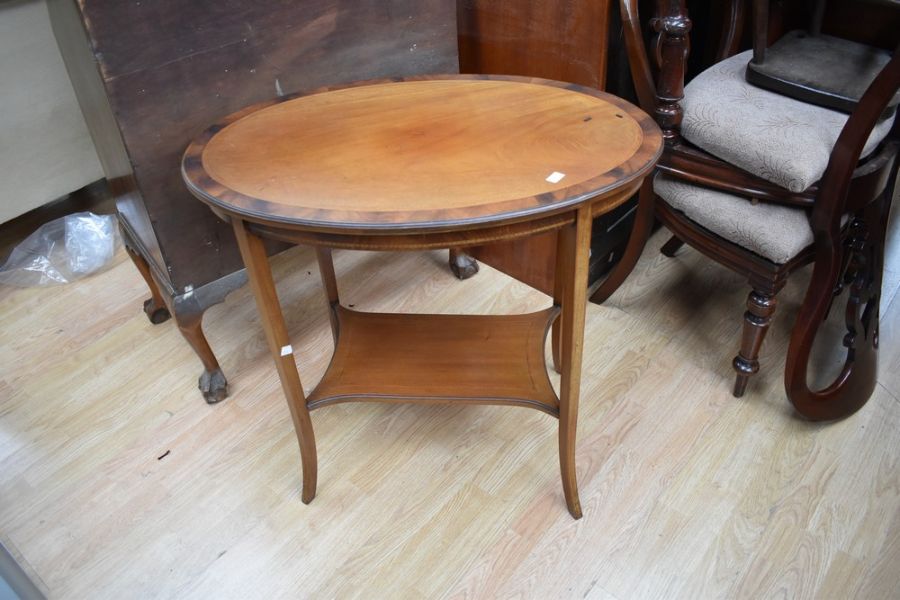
x,y
851,254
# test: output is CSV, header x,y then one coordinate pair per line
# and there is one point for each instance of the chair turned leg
x,y
212,382
462,265
760,308
154,307
671,247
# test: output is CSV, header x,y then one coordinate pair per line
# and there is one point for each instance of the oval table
x,y
418,163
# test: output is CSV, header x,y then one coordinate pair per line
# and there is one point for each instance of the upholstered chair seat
x,y
774,137
773,231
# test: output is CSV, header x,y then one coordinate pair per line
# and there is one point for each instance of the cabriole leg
x,y
155,306
159,308
212,382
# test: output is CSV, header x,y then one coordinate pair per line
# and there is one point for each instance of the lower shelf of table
x,y
423,358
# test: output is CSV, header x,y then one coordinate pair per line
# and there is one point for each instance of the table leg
x,y
573,248
260,274
329,281
558,300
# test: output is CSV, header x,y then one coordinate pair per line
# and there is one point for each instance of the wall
x,y
45,149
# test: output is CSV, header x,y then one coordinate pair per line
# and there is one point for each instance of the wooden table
x,y
418,163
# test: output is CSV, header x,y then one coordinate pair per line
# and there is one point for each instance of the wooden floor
x,y
118,481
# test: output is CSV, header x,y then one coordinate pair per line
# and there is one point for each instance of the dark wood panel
x,y
135,36
531,260
78,56
537,38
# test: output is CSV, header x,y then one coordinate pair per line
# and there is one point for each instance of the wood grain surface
x,y
459,359
454,149
538,38
687,492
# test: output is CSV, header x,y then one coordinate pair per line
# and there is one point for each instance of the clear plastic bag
x,y
63,250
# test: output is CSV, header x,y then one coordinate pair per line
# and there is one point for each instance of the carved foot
x,y
214,386
212,382
462,265
155,312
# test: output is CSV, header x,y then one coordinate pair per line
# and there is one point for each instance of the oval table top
x,y
422,154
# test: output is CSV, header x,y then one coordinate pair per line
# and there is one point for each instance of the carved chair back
x,y
854,259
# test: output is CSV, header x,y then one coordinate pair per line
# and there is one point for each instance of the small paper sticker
x,y
285,350
555,177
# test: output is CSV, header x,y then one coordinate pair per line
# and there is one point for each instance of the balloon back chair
x,y
765,184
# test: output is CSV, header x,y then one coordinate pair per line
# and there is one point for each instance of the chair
x,y
814,67
764,185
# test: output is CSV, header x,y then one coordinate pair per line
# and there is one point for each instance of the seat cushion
x,y
773,231
777,138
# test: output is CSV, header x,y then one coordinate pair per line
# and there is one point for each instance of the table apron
x,y
425,241
415,241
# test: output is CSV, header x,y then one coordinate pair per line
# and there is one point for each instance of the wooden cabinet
x,y
149,76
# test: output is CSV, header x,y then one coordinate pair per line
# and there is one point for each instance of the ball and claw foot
x,y
463,265
155,312
214,386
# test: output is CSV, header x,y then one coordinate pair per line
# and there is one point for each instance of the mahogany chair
x,y
764,185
